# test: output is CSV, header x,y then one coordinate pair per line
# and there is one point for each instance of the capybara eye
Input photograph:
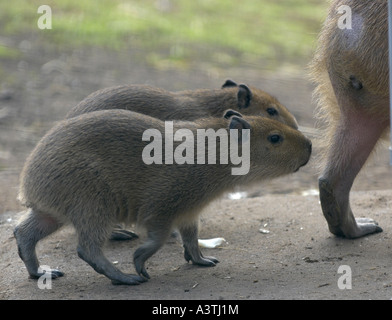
x,y
272,111
275,138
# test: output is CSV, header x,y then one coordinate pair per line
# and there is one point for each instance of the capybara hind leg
x,y
91,252
342,222
189,235
355,138
34,227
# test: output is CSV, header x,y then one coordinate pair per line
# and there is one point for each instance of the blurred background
x,y
173,44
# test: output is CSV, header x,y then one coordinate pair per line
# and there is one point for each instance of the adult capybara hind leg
x,y
351,70
34,227
355,138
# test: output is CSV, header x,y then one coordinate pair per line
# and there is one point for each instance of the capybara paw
x,y
213,259
205,261
199,259
129,279
141,270
361,227
367,226
54,274
122,235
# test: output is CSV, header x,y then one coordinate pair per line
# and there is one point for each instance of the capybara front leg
x,y
94,256
189,235
354,139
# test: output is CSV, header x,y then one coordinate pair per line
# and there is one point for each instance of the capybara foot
x,y
54,274
367,226
129,279
361,227
139,262
120,234
341,221
200,259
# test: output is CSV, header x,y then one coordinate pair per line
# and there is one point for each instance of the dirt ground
x,y
297,259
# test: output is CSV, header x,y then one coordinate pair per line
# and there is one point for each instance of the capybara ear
x,y
229,113
244,96
238,123
229,83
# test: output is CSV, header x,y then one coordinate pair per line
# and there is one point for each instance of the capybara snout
x,y
308,146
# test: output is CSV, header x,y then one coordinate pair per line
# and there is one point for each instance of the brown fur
x,y
367,59
350,69
183,105
186,105
88,171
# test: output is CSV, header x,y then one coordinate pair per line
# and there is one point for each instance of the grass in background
x,y
175,29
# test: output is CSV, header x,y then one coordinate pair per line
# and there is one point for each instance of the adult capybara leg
x,y
350,67
34,227
354,139
189,235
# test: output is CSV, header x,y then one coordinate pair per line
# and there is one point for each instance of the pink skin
x,y
354,139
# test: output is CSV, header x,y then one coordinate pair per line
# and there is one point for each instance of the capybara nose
x,y
309,146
